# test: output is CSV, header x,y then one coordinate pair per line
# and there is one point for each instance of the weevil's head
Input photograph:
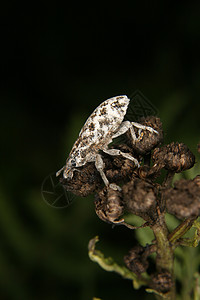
x,y
69,168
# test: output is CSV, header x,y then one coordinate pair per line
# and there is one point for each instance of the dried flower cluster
x,y
183,200
142,194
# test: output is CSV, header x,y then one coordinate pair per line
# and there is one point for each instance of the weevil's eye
x,y
73,163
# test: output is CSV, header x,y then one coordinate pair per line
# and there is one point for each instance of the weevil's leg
x,y
127,125
140,126
123,128
115,152
139,132
99,164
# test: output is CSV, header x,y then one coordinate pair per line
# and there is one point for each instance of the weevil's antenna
x,y
58,173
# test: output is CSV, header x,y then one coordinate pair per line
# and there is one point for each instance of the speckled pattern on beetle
x,y
103,125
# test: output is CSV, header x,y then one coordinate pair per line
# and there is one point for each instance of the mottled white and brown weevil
x,y
103,125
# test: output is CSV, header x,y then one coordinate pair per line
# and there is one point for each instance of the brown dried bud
x,y
162,281
136,260
148,140
109,206
183,200
198,147
174,157
140,198
146,172
85,181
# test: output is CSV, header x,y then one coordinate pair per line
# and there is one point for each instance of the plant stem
x,y
180,230
165,257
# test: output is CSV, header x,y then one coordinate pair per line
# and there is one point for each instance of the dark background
x,y
57,65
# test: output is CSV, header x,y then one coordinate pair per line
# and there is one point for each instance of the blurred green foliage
x,y
56,70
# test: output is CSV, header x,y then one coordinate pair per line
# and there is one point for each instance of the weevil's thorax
x,y
97,131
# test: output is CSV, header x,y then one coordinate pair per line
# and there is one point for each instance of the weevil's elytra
x,y
103,111
104,124
91,126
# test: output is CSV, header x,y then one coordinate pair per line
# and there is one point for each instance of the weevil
x,y
103,125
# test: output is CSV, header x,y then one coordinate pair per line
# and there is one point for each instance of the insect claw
x,y
115,187
151,130
144,127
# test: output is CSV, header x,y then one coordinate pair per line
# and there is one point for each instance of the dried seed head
x,y
162,281
84,181
174,157
136,260
148,140
140,199
183,200
109,206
